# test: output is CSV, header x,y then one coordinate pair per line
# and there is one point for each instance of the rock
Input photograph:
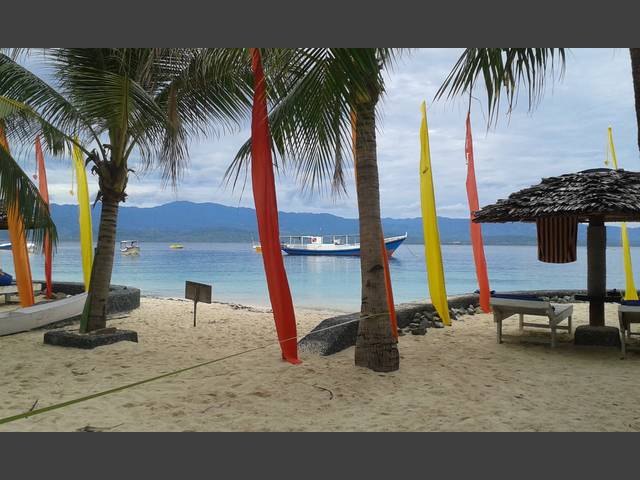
x,y
419,331
401,333
438,324
479,310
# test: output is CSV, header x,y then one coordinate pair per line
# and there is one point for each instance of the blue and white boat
x,y
340,245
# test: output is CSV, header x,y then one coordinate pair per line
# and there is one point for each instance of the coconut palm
x,y
635,72
129,107
314,92
503,70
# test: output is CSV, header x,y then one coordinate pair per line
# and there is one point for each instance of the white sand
x,y
455,378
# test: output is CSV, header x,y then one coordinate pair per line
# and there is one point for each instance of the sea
x,y
237,275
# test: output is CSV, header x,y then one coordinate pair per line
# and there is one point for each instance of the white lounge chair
x,y
627,314
505,306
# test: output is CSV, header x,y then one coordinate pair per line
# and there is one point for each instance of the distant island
x,y
212,222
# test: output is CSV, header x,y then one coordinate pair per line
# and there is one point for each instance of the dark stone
x,y
419,331
332,335
438,324
597,336
71,338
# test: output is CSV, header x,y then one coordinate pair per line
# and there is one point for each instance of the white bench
x,y
9,291
627,314
504,308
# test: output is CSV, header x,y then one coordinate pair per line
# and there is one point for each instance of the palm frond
x,y
18,191
312,92
504,70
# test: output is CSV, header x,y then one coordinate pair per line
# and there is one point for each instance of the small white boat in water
x,y
340,245
31,247
129,247
36,316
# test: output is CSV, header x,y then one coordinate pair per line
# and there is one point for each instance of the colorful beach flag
x,y
387,272
84,209
432,252
476,229
264,197
630,292
19,250
44,193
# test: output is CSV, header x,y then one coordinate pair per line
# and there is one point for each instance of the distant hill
x,y
188,221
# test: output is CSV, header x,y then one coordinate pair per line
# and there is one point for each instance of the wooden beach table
x,y
505,306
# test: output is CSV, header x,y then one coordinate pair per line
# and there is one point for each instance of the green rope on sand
x,y
118,389
56,406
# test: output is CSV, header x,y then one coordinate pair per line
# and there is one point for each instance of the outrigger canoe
x,y
41,314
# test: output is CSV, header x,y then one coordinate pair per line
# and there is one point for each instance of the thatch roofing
x,y
612,195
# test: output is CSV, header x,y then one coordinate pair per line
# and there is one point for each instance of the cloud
x,y
565,133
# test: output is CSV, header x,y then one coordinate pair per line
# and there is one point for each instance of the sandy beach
x,y
452,379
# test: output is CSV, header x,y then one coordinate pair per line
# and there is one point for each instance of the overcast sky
x,y
565,133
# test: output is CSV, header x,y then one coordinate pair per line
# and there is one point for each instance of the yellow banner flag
x,y
630,292
432,252
86,234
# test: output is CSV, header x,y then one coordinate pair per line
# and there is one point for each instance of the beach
x,y
453,379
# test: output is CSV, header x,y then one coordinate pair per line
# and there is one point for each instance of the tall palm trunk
x,y
376,347
635,72
112,180
102,266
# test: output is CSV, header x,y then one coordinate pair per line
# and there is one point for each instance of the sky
x,y
566,132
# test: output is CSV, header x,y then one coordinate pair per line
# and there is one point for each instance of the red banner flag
x,y
264,197
476,230
44,193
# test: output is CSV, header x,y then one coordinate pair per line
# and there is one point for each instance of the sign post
x,y
198,292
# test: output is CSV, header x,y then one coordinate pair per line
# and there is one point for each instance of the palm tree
x,y
635,72
314,92
125,104
503,69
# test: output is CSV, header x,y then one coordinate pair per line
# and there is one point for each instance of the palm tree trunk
x,y
102,266
635,72
376,347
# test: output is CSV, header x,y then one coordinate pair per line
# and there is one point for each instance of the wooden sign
x,y
198,292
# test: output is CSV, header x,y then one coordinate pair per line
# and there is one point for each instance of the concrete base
x,y
597,336
70,338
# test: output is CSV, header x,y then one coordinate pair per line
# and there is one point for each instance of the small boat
x,y
129,247
257,247
31,247
341,245
41,314
176,246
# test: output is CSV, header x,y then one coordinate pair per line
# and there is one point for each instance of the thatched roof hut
x,y
612,195
557,204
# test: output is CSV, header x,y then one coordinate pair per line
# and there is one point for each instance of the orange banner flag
x,y
476,229
44,192
264,197
19,250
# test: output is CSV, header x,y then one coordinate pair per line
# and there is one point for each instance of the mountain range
x,y
187,221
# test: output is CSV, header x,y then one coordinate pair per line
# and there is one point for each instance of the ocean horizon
x,y
237,274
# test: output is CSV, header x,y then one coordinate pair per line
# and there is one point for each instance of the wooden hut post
x,y
596,270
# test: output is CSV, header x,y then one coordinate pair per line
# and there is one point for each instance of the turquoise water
x,y
237,274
